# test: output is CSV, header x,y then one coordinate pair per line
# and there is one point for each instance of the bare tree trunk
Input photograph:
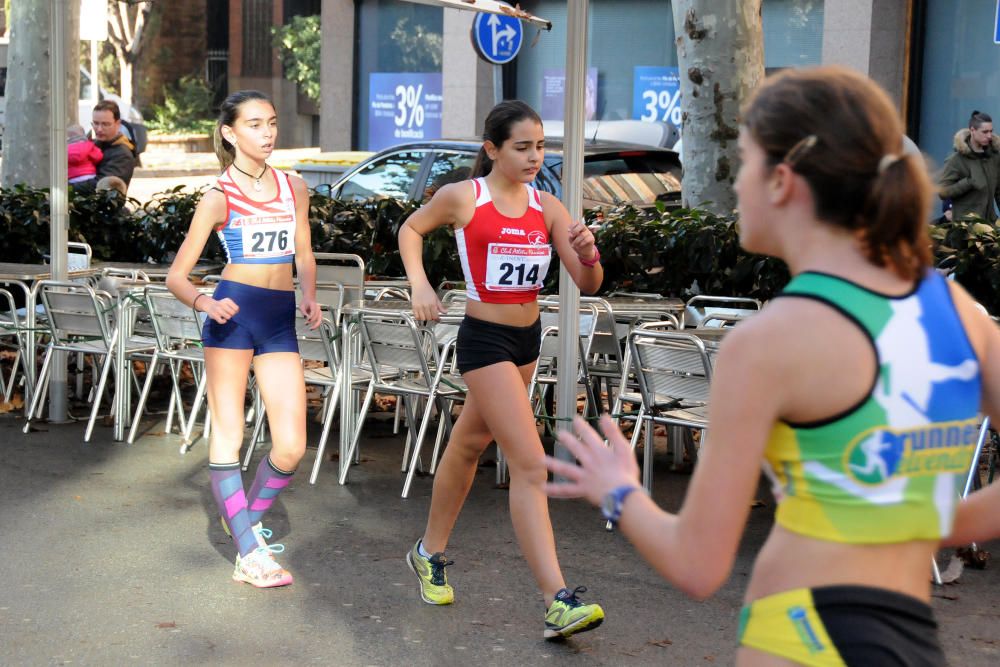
x,y
73,63
26,131
127,23
720,53
125,71
27,128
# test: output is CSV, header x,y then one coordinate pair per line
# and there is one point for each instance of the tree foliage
x,y
299,43
186,108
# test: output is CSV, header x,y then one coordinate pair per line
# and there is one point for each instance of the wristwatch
x,y
611,506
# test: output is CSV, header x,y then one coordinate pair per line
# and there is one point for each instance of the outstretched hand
x,y
600,469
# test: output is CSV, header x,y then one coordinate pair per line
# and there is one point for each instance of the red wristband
x,y
194,304
592,262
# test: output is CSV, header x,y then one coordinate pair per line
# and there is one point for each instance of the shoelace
x,y
266,534
273,548
437,570
264,560
571,600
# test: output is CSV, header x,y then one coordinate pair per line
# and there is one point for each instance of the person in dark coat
x,y
970,177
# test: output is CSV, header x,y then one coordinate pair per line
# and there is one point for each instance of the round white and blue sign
x,y
497,38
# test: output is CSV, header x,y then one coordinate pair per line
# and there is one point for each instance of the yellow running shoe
x,y
568,615
434,588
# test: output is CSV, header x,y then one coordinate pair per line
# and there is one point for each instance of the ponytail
x,y
898,197
841,133
483,164
224,151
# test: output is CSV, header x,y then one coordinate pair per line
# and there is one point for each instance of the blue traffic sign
x,y
497,38
996,25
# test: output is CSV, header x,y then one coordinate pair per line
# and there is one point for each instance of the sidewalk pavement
x,y
113,554
164,170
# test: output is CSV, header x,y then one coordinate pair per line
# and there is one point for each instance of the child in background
x,y
83,156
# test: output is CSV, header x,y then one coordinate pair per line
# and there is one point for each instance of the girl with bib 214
x,y
504,228
261,216
858,390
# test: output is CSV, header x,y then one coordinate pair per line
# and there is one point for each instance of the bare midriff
x,y
788,561
511,314
270,276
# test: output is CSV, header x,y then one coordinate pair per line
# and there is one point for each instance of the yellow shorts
x,y
835,626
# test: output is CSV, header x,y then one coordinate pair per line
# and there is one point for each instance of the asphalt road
x,y
112,555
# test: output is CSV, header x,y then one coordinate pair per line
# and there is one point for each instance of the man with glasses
x,y
115,169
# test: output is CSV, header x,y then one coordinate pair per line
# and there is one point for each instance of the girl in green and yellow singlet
x,y
858,390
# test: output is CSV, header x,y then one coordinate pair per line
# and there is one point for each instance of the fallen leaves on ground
x,y
973,557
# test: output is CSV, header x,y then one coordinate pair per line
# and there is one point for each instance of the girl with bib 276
x,y
505,230
261,216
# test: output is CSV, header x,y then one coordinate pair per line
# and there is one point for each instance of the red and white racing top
x,y
504,259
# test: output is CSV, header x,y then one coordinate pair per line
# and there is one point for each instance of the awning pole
x,y
58,196
572,189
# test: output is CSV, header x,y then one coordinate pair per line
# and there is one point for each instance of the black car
x,y
613,173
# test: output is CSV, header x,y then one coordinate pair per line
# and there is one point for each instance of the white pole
x,y
58,196
572,191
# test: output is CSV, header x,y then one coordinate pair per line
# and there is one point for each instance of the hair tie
x,y
887,161
801,147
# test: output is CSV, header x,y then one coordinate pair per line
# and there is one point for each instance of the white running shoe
x,y
258,568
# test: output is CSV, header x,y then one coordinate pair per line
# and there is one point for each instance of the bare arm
x,y
574,242
978,516
444,208
305,261
695,548
211,211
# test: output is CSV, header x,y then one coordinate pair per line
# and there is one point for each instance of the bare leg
x,y
283,388
226,389
513,427
455,474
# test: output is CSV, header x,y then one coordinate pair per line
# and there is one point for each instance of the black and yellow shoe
x,y
568,615
434,588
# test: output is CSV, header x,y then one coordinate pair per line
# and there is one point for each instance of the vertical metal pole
x,y
58,196
497,85
572,190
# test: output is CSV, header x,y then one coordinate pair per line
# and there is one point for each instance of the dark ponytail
x,y
897,208
497,128
977,119
840,132
229,112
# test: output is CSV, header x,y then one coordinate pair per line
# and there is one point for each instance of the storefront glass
x,y
961,71
626,35
395,37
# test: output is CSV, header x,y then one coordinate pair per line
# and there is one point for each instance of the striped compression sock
x,y
227,487
266,486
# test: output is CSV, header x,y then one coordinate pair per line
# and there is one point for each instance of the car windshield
x,y
629,177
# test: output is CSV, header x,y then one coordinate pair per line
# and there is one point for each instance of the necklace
x,y
257,185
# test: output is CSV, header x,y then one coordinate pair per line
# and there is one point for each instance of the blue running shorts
x,y
265,322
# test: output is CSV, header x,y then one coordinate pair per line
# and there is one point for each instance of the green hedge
x,y
676,252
